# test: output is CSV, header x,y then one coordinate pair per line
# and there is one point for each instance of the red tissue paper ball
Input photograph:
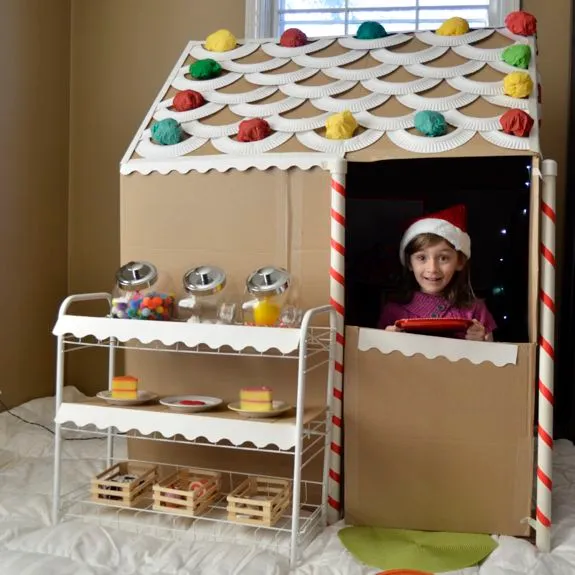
x,y
516,123
187,100
521,23
253,130
293,37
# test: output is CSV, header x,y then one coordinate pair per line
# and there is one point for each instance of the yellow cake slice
x,y
125,387
256,399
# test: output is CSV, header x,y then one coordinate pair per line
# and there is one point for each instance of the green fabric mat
x,y
427,551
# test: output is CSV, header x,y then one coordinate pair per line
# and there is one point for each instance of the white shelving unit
x,y
303,436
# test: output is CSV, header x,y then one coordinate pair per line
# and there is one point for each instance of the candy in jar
x,y
142,293
267,290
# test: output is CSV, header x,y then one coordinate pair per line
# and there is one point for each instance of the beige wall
x,y
34,62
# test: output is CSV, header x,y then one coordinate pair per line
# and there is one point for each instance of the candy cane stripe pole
x,y
337,299
546,358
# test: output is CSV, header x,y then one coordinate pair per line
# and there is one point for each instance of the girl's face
x,y
434,266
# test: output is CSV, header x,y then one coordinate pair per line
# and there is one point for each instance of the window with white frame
x,y
269,18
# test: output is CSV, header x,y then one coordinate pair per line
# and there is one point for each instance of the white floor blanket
x,y
29,545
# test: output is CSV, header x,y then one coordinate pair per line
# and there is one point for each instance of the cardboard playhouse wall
x,y
411,427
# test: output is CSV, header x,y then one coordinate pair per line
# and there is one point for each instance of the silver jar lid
x,y
204,280
268,281
136,275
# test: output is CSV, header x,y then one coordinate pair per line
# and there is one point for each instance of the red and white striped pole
x,y
337,300
546,358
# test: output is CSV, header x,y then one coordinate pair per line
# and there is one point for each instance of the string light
x,y
503,232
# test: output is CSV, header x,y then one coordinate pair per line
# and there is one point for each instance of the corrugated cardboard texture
x,y
435,445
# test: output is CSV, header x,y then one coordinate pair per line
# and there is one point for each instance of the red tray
x,y
433,325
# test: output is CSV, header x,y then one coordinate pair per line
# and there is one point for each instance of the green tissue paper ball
x,y
430,124
370,31
167,132
518,56
205,69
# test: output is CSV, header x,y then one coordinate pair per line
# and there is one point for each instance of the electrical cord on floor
x,y
9,412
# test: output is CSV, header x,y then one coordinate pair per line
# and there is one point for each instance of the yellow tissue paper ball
x,y
340,126
221,41
453,27
518,84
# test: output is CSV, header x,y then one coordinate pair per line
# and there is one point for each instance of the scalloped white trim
x,y
354,105
409,58
445,71
400,88
273,49
459,120
200,53
230,99
182,83
474,87
294,125
228,146
279,79
352,43
207,109
307,61
417,102
508,102
504,140
270,109
314,141
477,352
200,130
506,68
384,124
147,149
433,39
312,92
361,73
250,68
425,145
223,163
189,425
479,54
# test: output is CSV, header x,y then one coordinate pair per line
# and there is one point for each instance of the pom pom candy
x,y
453,27
221,41
253,130
205,69
340,126
293,37
518,85
370,31
167,132
521,23
431,124
187,100
516,123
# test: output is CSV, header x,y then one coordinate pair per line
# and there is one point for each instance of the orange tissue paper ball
x,y
187,100
516,123
521,23
293,37
253,130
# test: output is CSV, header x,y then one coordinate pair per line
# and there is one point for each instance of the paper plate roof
x,y
463,81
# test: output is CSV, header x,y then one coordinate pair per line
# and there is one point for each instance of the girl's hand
x,y
476,332
393,328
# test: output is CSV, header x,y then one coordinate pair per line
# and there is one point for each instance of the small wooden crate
x,y
187,492
125,483
259,501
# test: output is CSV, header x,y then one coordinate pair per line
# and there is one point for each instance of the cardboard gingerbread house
x,y
438,433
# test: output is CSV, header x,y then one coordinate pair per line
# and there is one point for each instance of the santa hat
x,y
449,224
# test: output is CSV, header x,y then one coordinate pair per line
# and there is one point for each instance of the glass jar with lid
x,y
267,292
204,298
141,292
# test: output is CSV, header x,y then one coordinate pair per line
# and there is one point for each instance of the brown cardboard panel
x,y
436,445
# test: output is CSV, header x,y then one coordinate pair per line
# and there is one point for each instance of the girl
x,y
435,252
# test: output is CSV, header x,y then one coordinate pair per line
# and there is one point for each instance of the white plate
x,y
143,397
174,403
278,407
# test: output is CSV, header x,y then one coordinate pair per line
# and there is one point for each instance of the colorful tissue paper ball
x,y
340,126
205,69
518,85
293,37
516,123
167,132
518,55
221,41
453,27
370,31
187,100
431,124
521,23
253,130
